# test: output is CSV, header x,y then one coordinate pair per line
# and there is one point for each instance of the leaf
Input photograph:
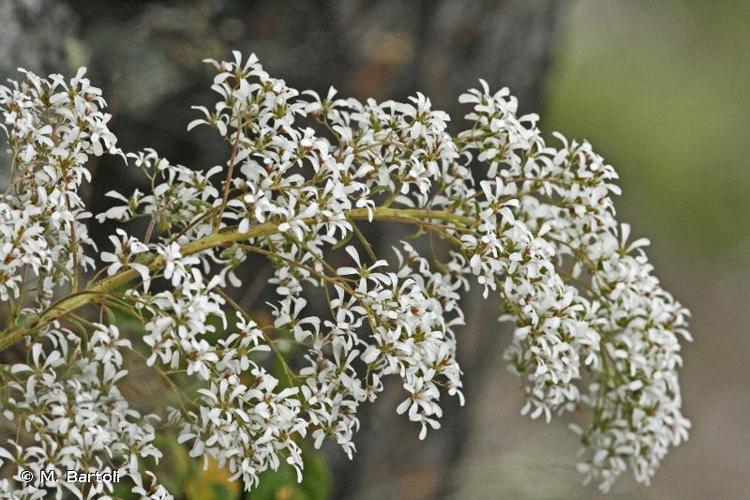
x,y
282,484
211,483
317,482
26,320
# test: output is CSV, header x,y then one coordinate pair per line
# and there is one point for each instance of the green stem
x,y
218,239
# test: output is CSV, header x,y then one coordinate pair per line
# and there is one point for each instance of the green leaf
x,y
282,484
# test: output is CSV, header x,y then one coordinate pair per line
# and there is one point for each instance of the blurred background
x,y
659,88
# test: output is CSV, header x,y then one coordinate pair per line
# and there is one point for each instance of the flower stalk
x,y
219,239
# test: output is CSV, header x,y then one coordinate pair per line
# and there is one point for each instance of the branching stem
x,y
222,238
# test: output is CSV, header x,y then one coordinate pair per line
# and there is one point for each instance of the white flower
x,y
126,247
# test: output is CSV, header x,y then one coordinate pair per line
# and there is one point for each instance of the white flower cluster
x,y
52,127
531,223
626,328
66,397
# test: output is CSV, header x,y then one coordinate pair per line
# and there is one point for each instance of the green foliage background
x,y
661,89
